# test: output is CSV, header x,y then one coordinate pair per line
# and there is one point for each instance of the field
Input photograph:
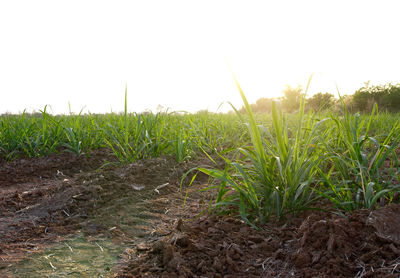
x,y
200,195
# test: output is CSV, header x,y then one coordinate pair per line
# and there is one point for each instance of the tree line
x,y
386,96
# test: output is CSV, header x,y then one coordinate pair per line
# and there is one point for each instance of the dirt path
x,y
58,213
62,216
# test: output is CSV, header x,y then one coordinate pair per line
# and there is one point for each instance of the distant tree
x,y
291,98
204,112
394,98
386,96
262,105
320,101
362,101
344,101
160,108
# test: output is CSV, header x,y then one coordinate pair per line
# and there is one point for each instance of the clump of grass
x,y
74,145
38,136
355,161
136,136
182,145
274,173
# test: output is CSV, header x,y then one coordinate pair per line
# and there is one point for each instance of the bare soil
x,y
67,216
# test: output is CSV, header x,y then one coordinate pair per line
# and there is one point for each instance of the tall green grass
x,y
355,161
271,176
286,167
129,136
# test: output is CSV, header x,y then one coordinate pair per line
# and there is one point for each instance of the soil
x,y
68,216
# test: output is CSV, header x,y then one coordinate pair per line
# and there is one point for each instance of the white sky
x,y
175,53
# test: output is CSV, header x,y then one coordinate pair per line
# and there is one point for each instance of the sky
x,y
181,55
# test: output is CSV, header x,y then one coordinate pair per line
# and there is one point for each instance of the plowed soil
x,y
68,216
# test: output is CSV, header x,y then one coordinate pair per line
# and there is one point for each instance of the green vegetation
x,y
294,159
386,96
275,163
131,136
275,171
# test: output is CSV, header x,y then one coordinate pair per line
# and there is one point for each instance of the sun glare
x,y
175,54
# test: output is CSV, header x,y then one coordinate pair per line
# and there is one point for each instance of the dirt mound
x,y
223,247
361,244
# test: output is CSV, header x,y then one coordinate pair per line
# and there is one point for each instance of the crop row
x,y
275,164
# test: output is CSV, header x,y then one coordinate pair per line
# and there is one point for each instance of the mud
x,y
67,216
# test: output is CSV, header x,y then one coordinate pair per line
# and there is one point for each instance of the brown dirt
x,y
361,244
139,208
34,196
